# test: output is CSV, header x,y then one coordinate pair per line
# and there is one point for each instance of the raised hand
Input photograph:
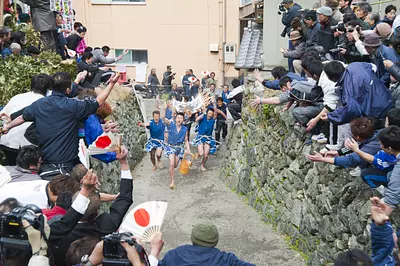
x,y
352,145
89,180
123,154
114,79
378,211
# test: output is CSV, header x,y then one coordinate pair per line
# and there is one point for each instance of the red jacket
x,y
50,213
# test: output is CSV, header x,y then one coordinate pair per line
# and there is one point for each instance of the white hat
x,y
327,11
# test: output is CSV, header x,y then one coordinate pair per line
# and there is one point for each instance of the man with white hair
x,y
15,48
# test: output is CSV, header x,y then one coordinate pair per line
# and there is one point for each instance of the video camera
x,y
12,232
115,254
281,9
337,49
339,27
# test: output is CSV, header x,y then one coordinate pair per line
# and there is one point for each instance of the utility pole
x,y
1,12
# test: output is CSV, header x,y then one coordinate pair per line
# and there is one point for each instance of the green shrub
x,y
16,72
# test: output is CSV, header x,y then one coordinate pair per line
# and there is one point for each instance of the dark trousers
x,y
10,154
221,125
374,177
235,109
49,171
49,40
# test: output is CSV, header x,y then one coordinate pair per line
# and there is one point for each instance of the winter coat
x,y
395,91
361,94
382,244
197,255
99,57
43,18
370,146
325,36
274,84
289,16
297,51
395,71
312,36
384,53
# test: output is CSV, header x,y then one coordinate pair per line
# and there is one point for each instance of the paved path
x,y
204,196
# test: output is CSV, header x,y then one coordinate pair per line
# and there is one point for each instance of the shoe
x,y
323,151
317,137
333,147
237,121
322,140
381,189
356,172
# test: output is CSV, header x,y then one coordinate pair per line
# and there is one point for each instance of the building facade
x,y
194,34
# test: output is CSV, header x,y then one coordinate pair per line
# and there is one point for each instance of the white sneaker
x,y
322,140
317,137
237,121
356,172
333,147
381,189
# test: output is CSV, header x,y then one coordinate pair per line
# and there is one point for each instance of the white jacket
x,y
328,87
15,138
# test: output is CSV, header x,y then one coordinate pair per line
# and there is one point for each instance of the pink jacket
x,y
81,47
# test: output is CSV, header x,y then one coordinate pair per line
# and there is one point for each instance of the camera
x,y
12,232
339,27
337,49
115,254
281,9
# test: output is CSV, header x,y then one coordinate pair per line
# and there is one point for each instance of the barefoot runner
x,y
155,144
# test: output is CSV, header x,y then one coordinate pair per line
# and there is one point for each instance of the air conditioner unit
x,y
230,53
214,48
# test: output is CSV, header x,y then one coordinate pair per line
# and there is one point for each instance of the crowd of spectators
x,y
342,90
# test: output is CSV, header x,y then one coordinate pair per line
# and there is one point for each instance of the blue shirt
x,y
168,113
156,130
206,126
175,137
57,118
225,96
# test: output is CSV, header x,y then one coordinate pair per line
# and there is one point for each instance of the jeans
x,y
290,60
221,125
304,114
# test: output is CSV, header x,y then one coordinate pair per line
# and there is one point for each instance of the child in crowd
x,y
225,93
221,116
383,162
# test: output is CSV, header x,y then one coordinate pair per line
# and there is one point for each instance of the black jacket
x,y
325,36
62,235
395,71
346,10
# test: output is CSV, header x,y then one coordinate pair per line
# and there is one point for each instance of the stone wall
x,y
320,207
127,113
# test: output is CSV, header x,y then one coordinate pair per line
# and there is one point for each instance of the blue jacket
x,y
384,53
289,16
6,52
274,84
93,129
392,193
382,244
371,146
361,94
384,161
200,256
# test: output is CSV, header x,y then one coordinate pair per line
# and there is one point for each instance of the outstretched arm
x,y
16,122
102,97
141,124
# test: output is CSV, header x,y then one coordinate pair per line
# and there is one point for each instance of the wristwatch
x,y
85,261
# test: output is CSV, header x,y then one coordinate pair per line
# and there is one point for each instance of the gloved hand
x,y
35,237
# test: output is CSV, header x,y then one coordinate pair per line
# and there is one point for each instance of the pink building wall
x,y
175,32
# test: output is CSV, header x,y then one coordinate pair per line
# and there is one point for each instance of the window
x,y
133,57
128,1
245,2
107,2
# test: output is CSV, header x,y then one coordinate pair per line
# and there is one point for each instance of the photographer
x,y
291,10
91,223
325,34
167,79
348,48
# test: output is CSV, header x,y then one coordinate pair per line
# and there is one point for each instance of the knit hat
x,y
383,30
294,35
205,234
326,11
372,40
311,15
